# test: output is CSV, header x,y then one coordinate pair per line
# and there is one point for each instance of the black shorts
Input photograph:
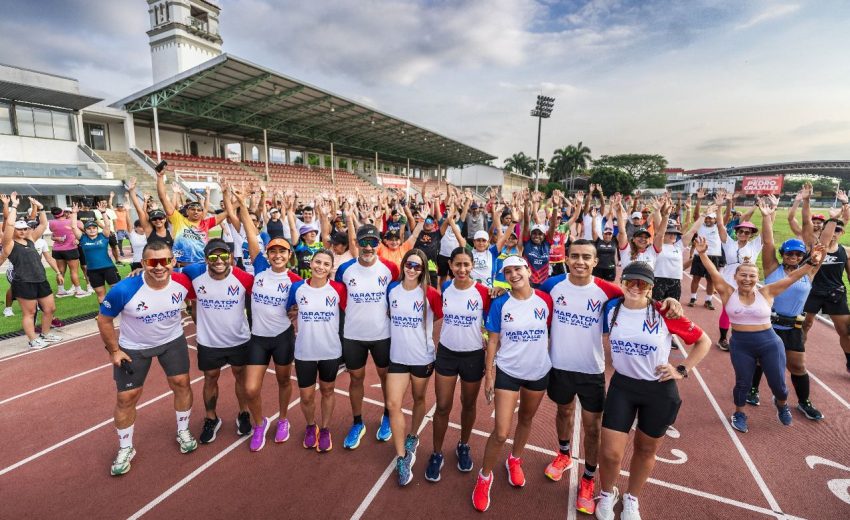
x,y
73,254
697,269
792,339
442,265
31,290
173,357
666,288
113,241
281,348
421,371
355,352
101,277
605,273
509,382
210,358
564,385
81,255
306,371
835,305
655,404
468,365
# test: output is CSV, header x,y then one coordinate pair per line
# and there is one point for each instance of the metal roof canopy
x,y
228,95
44,96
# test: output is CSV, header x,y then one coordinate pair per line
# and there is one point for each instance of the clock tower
x,y
183,34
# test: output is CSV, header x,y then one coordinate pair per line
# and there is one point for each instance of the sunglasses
x,y
155,262
368,242
793,253
224,257
196,207
641,284
745,231
413,266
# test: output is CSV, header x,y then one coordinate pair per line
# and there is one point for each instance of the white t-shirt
x,y
411,342
640,344
449,242
577,323
523,328
268,299
366,316
149,317
712,236
588,223
464,312
648,255
220,312
670,261
735,255
482,265
137,243
319,313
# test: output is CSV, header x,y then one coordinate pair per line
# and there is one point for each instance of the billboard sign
x,y
769,184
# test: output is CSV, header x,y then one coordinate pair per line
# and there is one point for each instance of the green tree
x,y
640,166
520,163
568,160
612,179
549,187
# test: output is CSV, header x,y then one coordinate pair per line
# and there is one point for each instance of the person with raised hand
x,y
152,221
95,247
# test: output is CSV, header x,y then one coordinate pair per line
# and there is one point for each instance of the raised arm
x,y
74,223
792,216
808,229
661,224
8,222
623,235
137,205
769,261
720,284
700,196
167,205
251,234
460,238
772,290
42,219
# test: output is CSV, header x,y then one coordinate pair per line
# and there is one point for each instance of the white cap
x,y
637,214
513,261
21,224
538,227
481,234
711,215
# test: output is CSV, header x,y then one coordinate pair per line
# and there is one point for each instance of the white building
x,y
481,178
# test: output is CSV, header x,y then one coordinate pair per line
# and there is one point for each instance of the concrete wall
x,y
33,149
117,141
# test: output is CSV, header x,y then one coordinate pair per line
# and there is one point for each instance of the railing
x,y
199,24
98,160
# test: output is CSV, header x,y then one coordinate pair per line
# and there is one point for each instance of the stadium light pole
x,y
541,111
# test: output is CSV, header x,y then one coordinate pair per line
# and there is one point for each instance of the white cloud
x,y
772,12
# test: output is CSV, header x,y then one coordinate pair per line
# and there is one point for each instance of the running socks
x,y
125,436
358,419
723,333
564,447
589,471
801,387
183,420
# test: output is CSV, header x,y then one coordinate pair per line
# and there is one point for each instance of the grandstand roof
x,y
229,95
42,88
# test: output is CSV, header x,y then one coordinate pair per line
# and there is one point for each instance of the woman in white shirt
x,y
138,241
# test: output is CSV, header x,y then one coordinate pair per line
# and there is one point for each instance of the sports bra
x,y
756,314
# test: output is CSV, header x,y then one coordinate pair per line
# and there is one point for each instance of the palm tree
x,y
520,163
568,161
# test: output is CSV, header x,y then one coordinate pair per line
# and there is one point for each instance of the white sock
x,y
708,298
693,296
78,288
125,436
183,420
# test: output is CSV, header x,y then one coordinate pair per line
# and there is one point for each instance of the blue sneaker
x,y
435,464
464,461
402,466
411,442
384,432
783,412
352,440
739,421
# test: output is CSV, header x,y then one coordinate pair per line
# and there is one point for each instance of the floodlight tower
x,y
541,111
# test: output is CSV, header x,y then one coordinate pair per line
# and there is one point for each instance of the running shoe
x,y
783,413
411,443
435,465
211,427
352,440
516,477
739,422
403,467
311,434
809,410
8,312
282,433
584,499
56,323
384,432
50,337
692,302
464,461
723,345
708,305
325,443
79,293
556,469
605,507
481,493
631,509
186,441
121,464
37,343
258,437
63,293
243,424
753,397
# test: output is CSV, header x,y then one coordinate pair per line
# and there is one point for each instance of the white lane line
x,y
51,347
84,433
574,445
387,472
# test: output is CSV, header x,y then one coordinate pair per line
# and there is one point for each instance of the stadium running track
x,y
59,440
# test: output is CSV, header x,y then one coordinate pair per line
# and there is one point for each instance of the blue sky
x,y
703,82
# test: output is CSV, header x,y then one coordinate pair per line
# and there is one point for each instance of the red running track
x,y
55,420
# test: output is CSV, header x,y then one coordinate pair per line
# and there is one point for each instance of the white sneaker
x,y
37,343
79,293
630,508
63,293
8,312
50,337
121,464
605,506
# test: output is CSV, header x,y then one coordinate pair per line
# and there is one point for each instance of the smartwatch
x,y
682,370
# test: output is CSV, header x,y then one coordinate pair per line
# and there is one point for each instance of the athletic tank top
x,y
153,237
740,314
792,300
831,270
275,228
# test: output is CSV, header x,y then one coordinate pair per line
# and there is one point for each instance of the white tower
x,y
183,34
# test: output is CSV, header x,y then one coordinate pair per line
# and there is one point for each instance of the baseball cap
x,y
155,214
474,205
639,271
819,216
513,261
674,230
274,210
792,244
216,244
21,224
711,215
368,231
642,231
637,214
481,234
538,227
391,235
90,223
279,242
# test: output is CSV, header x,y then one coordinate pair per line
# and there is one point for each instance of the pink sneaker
x,y
325,444
258,437
282,432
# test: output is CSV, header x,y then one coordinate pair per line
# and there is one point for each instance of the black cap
x,y
642,230
368,231
155,214
673,230
639,271
216,244
339,237
389,235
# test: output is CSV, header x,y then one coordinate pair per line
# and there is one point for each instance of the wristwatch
x,y
682,370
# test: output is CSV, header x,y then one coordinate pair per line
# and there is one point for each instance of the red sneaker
x,y
584,500
481,493
556,469
516,477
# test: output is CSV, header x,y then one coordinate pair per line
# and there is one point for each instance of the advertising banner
x,y
771,184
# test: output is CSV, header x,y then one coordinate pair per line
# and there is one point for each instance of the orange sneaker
x,y
556,469
584,500
516,477
481,493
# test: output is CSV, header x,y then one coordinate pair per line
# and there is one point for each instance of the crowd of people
x,y
529,296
